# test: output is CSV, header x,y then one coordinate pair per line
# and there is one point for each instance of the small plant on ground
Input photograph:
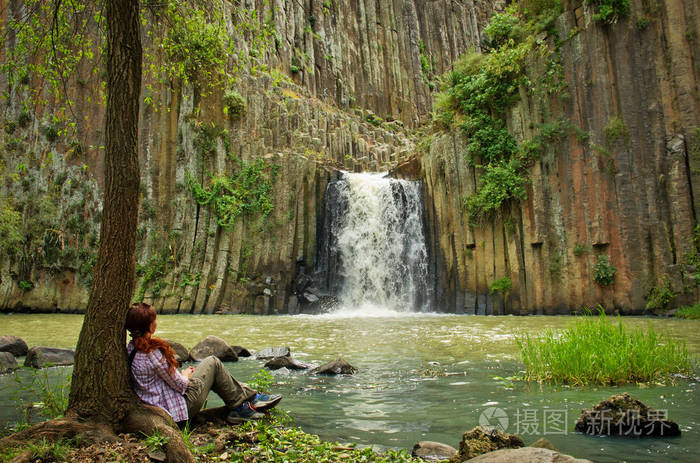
x,y
604,272
501,286
594,351
692,312
261,380
155,441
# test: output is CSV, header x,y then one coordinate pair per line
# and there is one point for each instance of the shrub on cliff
x,y
594,351
609,11
603,271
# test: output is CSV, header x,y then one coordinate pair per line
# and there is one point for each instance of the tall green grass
x,y
594,351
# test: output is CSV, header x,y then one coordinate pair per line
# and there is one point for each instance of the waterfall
x,y
372,248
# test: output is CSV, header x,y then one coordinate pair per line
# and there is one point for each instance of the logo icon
x,y
494,417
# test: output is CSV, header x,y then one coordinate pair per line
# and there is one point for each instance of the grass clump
x,y
593,351
691,312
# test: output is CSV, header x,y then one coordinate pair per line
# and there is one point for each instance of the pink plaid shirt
x,y
155,385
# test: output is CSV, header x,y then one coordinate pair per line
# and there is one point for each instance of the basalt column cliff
x,y
250,108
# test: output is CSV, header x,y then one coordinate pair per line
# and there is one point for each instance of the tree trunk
x,y
101,398
100,385
100,389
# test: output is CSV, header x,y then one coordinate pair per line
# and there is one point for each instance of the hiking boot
x,y
263,401
244,412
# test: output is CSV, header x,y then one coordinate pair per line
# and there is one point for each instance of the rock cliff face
x,y
345,82
627,189
302,118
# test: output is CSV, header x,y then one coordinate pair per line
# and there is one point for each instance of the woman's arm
x,y
175,380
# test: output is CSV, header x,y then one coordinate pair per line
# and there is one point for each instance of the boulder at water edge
x,y
287,362
336,367
241,351
39,357
8,362
482,440
621,415
14,345
272,352
526,455
433,451
181,353
213,345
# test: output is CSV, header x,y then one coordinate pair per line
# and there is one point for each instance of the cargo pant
x,y
211,375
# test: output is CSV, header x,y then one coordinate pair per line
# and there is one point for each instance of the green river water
x,y
395,400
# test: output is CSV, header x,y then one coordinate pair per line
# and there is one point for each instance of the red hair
x,y
138,321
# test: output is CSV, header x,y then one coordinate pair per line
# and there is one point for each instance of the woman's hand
x,y
187,372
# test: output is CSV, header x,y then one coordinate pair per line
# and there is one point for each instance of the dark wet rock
x,y
287,362
241,351
482,440
433,451
621,415
301,282
319,304
335,367
39,357
14,345
272,352
7,362
181,353
526,455
213,345
543,443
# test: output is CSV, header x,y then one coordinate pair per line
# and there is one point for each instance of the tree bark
x,y
100,386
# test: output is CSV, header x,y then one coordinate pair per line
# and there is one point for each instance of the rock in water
x,y
7,362
181,353
241,351
39,357
213,345
621,415
482,440
286,362
526,455
336,367
433,451
14,345
272,352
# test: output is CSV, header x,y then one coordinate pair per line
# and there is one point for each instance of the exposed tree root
x,y
145,419
142,419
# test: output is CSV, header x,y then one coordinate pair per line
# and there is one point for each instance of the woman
x,y
182,393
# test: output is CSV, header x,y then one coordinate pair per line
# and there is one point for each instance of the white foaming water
x,y
381,247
